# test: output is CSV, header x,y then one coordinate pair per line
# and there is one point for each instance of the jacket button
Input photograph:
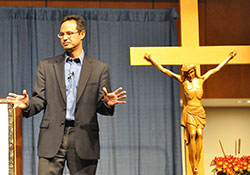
x,y
64,108
62,122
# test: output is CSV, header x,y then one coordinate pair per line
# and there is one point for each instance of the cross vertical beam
x,y
189,23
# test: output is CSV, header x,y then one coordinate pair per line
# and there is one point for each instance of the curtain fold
x,y
143,137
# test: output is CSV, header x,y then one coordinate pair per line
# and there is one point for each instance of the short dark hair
x,y
79,21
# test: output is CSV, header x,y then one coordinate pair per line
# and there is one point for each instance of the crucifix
x,y
190,52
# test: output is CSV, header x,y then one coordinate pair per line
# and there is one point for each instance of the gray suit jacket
x,y
49,95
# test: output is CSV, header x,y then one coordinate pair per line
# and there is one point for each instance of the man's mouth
x,y
66,44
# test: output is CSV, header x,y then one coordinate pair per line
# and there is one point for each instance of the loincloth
x,y
194,116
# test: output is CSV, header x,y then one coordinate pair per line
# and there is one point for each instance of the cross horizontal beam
x,y
189,55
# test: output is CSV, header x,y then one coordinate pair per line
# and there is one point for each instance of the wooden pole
x,y
235,144
239,146
222,149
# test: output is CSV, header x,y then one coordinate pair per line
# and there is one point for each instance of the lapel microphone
x,y
71,74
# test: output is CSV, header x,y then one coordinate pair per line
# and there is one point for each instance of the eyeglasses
x,y
68,34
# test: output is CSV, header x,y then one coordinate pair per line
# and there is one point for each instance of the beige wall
x,y
226,124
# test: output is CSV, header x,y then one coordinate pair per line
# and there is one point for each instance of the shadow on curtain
x,y
143,138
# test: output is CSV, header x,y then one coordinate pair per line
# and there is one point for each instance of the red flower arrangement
x,y
230,165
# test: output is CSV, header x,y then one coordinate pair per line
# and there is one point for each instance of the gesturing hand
x,y
20,101
114,98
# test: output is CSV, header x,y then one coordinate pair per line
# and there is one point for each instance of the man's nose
x,y
65,37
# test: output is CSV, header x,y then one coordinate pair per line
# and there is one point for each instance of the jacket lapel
x,y
59,69
84,76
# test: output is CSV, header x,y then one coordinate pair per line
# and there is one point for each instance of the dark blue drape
x,y
143,138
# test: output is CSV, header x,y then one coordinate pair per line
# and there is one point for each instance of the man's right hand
x,y
20,101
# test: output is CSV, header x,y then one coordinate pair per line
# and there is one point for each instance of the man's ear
x,y
82,34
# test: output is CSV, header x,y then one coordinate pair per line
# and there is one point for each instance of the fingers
x,y
121,95
19,101
15,95
13,98
115,92
233,53
105,91
12,95
121,102
147,56
25,93
10,100
118,90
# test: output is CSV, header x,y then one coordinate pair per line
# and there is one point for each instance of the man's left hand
x,y
114,98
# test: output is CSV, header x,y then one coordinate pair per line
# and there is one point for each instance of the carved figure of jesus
x,y
193,114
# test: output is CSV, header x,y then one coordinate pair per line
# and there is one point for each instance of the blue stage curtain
x,y
143,137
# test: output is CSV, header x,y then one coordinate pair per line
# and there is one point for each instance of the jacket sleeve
x,y
37,101
102,107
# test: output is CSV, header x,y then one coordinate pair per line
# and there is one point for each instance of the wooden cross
x,y
190,53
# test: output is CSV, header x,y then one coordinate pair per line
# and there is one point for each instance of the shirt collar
x,y
81,56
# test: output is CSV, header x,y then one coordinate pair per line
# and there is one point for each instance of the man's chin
x,y
67,48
